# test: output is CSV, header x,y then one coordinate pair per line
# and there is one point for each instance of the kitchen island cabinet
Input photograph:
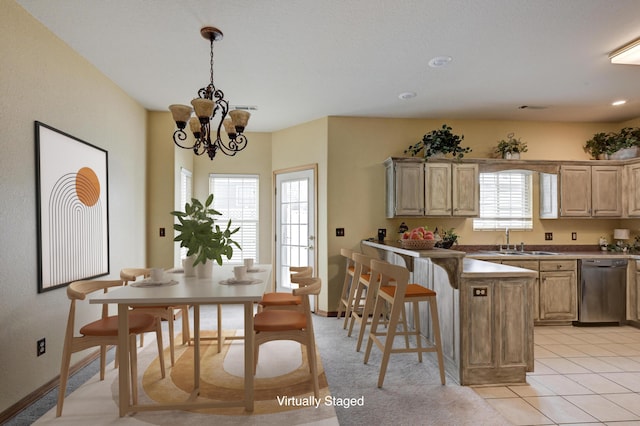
x,y
485,312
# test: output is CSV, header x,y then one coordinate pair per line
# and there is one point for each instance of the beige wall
x,y
304,145
43,79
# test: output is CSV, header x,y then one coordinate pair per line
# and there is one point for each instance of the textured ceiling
x,y
299,60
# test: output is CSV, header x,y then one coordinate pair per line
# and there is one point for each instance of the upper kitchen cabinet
x,y
416,188
590,191
404,187
632,189
451,189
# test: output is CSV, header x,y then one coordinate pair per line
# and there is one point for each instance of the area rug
x,y
282,371
282,381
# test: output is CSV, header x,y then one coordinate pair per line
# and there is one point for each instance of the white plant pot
x,y
511,156
187,266
625,153
204,270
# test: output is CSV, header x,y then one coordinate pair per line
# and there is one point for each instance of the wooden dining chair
x,y
103,332
277,324
285,300
165,312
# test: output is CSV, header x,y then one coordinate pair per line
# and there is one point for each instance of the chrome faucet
x,y
506,232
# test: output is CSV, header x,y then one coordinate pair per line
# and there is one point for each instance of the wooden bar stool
x,y
396,294
364,297
348,289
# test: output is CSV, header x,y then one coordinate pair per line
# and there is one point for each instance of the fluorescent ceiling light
x,y
629,54
620,102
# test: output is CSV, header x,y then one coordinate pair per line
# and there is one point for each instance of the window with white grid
x,y
186,192
505,201
236,197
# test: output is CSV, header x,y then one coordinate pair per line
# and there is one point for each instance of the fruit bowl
x,y
418,244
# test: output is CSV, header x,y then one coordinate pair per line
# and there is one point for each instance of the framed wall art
x,y
72,209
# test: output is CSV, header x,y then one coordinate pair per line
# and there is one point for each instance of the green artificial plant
x,y
199,234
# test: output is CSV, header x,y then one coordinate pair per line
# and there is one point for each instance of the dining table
x,y
177,289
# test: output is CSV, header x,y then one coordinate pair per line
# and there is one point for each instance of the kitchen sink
x,y
520,253
539,253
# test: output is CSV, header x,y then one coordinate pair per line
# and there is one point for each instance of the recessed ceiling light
x,y
440,61
407,95
620,102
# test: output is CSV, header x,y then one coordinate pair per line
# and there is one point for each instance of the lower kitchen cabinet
x,y
558,291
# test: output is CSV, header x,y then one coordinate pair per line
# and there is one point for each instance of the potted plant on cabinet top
x,y
511,147
599,145
204,240
614,146
441,141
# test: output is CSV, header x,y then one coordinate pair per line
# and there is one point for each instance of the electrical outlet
x,y
480,291
339,232
574,236
162,233
41,347
548,236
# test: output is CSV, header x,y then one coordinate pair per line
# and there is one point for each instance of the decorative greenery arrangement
x,y
200,235
443,141
510,146
449,237
604,144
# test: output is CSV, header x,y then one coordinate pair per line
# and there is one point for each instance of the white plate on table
x,y
233,281
151,283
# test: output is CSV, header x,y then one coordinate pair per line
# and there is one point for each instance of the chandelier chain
x,y
211,61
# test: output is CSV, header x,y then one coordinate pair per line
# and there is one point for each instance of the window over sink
x,y
505,201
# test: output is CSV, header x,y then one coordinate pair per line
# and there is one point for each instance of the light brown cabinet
x,y
451,189
558,290
404,187
532,265
590,191
631,189
416,188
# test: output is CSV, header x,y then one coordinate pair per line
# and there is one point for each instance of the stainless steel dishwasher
x,y
602,291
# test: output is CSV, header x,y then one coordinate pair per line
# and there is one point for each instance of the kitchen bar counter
x,y
485,311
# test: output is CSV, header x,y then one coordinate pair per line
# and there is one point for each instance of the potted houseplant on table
x,y
439,142
204,240
511,147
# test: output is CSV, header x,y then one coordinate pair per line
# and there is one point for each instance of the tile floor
x,y
583,375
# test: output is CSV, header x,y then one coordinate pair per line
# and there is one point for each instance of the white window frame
x,y
186,193
248,218
506,201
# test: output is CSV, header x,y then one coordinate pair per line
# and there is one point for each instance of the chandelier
x,y
210,106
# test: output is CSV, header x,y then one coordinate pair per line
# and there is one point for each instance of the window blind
x,y
186,192
236,197
505,201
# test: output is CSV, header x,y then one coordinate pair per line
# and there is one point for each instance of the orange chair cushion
x,y
280,299
352,270
413,290
275,320
138,323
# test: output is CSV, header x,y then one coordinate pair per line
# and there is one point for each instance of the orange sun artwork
x,y
87,186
